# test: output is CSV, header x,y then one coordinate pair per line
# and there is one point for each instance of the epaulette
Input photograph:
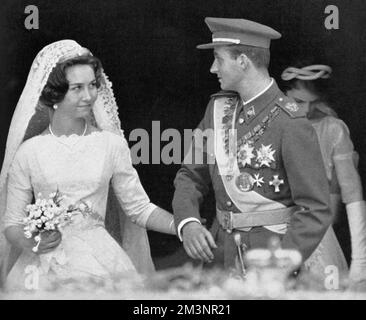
x,y
224,93
290,107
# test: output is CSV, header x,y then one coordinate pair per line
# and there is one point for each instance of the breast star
x,y
265,155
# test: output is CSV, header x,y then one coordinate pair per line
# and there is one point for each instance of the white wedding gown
x,y
81,168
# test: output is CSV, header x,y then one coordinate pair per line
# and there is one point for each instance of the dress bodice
x,y
80,168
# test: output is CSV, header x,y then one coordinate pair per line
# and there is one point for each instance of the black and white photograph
x,y
183,150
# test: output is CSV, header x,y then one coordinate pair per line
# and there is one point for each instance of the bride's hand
x,y
49,241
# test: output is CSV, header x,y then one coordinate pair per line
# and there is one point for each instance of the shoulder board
x,y
290,107
224,93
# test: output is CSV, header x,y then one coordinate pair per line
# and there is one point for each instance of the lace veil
x,y
30,119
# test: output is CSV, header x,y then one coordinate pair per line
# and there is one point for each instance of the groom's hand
x,y
198,241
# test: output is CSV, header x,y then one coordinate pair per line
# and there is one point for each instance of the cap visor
x,y
213,45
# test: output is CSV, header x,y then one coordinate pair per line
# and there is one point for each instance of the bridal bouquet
x,y
50,214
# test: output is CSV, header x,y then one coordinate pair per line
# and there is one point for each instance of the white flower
x,y
49,226
52,195
49,214
37,213
32,226
26,220
28,234
82,206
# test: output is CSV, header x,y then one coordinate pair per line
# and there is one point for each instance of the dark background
x,y
148,51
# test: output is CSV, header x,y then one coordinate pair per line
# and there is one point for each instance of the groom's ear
x,y
243,61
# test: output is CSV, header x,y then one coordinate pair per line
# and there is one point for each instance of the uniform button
x,y
241,120
281,99
229,203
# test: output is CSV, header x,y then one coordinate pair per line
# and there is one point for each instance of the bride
x,y
65,136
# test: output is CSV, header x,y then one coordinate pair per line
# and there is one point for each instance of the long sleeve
x,y
309,187
193,179
127,186
19,193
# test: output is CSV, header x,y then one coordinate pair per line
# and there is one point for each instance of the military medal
x,y
245,182
265,155
276,182
258,181
245,154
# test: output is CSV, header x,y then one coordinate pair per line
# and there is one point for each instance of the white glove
x,y
356,213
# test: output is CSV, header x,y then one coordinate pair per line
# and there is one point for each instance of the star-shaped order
x,y
245,154
258,180
265,155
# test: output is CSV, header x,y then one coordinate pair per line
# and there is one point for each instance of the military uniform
x,y
262,158
279,172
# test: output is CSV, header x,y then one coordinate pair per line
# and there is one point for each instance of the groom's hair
x,y
57,85
259,56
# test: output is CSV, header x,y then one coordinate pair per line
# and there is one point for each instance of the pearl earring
x,y
55,106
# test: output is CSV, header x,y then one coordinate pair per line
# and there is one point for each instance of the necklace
x,y
83,134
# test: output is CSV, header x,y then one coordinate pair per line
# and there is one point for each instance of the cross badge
x,y
276,182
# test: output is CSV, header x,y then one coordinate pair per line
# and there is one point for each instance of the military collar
x,y
253,107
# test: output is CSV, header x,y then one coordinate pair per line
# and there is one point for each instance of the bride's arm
x,y
161,221
15,235
50,239
19,195
132,196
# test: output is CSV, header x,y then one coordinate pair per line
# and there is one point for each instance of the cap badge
x,y
292,106
251,112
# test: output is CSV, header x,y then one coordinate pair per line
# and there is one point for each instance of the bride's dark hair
x,y
57,84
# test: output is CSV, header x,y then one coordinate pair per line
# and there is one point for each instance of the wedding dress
x,y
95,168
80,168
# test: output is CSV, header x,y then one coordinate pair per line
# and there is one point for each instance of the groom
x,y
265,167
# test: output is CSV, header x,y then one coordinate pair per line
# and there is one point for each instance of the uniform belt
x,y
229,220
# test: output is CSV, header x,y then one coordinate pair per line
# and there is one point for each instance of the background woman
x,y
308,85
